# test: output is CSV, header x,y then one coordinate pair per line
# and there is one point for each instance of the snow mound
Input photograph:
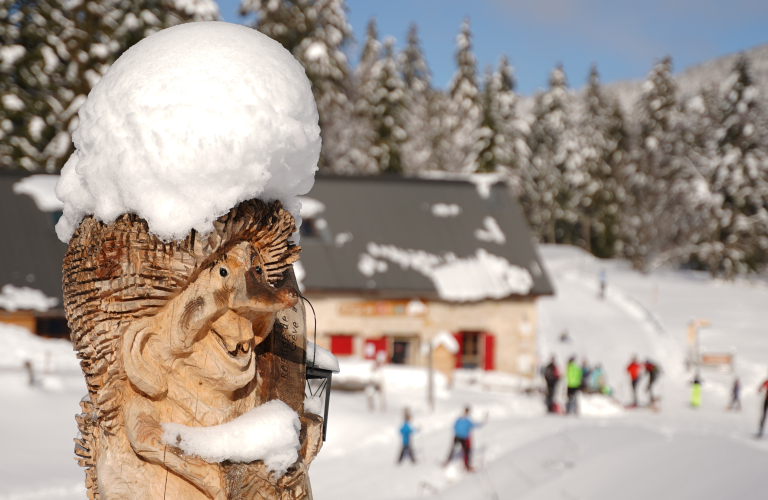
x,y
14,298
269,432
17,345
325,360
188,123
445,339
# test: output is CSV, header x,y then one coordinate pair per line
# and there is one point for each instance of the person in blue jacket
x,y
462,436
405,431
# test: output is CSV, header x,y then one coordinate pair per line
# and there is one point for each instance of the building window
x,y
470,350
403,349
476,350
53,328
342,345
400,352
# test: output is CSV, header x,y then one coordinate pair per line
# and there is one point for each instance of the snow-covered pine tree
x,y
487,137
316,32
556,168
501,137
605,150
53,52
738,177
360,153
670,202
417,149
462,118
386,99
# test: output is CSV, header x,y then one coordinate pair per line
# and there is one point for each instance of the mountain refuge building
x,y
392,264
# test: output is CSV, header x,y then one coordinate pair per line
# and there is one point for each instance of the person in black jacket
x,y
551,377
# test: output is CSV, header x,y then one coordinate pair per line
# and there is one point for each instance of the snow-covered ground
x,y
608,452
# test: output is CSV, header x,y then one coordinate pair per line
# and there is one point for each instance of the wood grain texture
x,y
177,332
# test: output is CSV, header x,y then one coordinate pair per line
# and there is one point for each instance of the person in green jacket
x,y
696,391
573,375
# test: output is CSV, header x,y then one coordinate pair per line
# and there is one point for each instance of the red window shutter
x,y
341,345
378,345
489,352
460,339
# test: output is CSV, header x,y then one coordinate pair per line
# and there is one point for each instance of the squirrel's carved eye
x,y
258,270
223,272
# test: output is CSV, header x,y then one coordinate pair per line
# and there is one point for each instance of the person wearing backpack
x,y
551,377
653,371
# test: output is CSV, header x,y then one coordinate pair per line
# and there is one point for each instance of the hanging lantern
x,y
321,365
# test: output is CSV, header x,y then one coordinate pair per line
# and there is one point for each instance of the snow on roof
x,y
491,231
310,207
478,277
325,360
483,182
445,210
14,298
269,432
41,189
188,123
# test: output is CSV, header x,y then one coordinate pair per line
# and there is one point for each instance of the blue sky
x,y
624,37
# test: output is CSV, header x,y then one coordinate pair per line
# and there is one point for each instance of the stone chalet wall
x,y
513,322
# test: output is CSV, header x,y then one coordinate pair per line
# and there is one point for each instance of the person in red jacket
x,y
763,387
635,370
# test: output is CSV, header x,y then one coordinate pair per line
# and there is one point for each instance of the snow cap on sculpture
x,y
187,124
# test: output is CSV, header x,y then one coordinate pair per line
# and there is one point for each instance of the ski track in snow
x,y
606,453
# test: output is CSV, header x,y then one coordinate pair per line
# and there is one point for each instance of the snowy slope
x,y
606,453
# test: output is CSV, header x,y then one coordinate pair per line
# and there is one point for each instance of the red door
x,y
341,345
488,353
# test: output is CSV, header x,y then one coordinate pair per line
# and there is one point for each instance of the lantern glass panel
x,y
319,385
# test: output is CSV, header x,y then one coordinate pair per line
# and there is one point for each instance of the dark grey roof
x,y
396,211
30,253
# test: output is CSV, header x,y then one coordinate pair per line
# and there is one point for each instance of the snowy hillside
x,y
607,452
695,78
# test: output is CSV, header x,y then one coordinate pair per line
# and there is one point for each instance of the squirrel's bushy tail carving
x,y
85,445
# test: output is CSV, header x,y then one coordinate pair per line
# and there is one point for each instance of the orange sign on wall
x,y
384,308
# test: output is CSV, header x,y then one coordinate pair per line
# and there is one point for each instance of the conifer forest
x,y
673,177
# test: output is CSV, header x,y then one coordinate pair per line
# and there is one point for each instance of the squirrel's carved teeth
x,y
240,349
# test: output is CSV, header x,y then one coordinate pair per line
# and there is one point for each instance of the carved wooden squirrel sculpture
x,y
174,332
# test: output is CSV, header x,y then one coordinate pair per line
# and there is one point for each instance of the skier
x,y
763,387
603,282
634,370
551,377
696,391
462,429
573,378
653,372
586,381
405,431
735,403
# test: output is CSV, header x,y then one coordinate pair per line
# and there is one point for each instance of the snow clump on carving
x,y
269,432
188,123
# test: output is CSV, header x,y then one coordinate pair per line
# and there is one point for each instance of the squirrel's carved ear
x,y
140,361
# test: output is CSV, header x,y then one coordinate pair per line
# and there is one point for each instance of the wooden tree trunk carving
x,y
194,332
